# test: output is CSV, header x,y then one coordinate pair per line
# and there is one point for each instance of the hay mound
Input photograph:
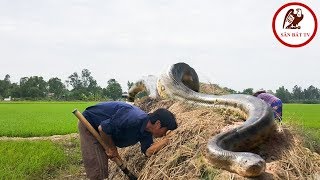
x,y
184,156
212,89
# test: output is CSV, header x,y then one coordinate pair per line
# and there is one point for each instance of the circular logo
x,y
294,24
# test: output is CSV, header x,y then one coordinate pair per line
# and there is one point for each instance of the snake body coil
x,y
225,150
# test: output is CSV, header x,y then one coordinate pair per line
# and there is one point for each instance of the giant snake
x,y
226,150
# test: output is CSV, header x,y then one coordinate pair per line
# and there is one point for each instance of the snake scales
x,y
226,150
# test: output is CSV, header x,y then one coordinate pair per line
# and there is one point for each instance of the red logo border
x,y
314,18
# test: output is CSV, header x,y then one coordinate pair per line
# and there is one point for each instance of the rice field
x,y
30,159
30,119
306,117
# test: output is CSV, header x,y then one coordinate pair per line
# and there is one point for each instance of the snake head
x,y
249,164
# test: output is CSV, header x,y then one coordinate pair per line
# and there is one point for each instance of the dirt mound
x,y
185,156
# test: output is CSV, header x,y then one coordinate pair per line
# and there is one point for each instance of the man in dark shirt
x,y
121,125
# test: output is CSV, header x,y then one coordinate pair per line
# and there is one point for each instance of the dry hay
x,y
184,156
212,89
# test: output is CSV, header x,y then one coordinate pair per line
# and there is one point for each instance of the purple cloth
x,y
274,102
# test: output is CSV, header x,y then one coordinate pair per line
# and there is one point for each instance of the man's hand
x,y
112,153
166,140
155,147
169,134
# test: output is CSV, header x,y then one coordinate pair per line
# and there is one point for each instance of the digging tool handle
x,y
120,164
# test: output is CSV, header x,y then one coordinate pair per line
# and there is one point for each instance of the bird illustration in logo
x,y
293,19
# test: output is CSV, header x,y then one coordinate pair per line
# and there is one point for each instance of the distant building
x,y
50,95
7,99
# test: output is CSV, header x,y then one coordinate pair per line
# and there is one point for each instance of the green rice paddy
x,y
306,117
29,119
30,159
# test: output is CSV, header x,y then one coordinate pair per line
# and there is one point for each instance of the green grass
x,y
30,159
306,117
28,119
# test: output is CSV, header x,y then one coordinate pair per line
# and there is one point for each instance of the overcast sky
x,y
229,43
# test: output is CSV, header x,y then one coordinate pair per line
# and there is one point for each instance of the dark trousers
x,y
94,157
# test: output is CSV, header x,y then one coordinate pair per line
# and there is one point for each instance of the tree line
x,y
310,95
83,87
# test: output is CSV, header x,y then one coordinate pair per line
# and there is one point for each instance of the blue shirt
x,y
123,122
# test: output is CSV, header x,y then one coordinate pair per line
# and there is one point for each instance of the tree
x,y
283,94
84,87
5,86
231,91
34,87
2,89
15,90
297,93
93,86
113,90
248,91
23,80
311,93
94,90
7,78
318,93
86,77
57,87
75,81
129,84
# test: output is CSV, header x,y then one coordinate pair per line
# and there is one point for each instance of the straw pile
x,y
212,89
185,156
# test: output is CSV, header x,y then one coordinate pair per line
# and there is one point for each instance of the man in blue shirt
x,y
120,125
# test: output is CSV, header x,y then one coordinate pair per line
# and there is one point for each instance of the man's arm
x,y
112,149
155,147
